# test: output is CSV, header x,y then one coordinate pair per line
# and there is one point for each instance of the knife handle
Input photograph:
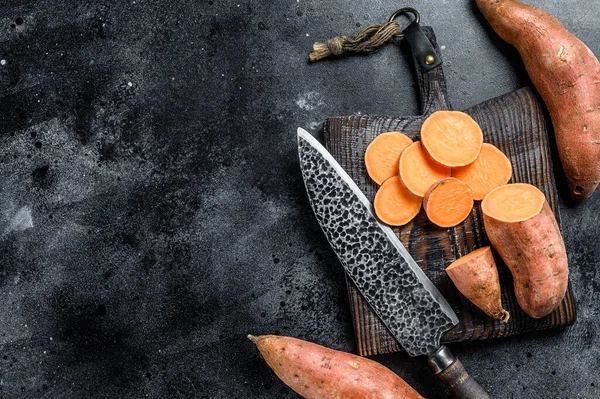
x,y
452,373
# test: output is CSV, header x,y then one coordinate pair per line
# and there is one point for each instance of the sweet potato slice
x,y
394,204
523,230
451,138
491,169
475,275
383,154
418,171
317,372
448,202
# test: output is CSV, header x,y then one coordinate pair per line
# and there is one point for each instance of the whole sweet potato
x,y
317,372
567,75
523,230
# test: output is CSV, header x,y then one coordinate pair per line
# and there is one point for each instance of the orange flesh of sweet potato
x,y
567,75
448,202
514,202
418,171
451,138
491,169
523,230
317,372
475,275
394,204
383,154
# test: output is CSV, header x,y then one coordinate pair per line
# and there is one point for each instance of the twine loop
x,y
366,40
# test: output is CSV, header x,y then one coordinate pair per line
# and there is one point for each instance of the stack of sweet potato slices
x,y
445,172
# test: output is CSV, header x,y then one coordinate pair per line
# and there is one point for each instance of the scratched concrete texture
x,y
152,211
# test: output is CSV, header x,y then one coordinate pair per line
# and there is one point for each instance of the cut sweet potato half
x,y
418,171
522,228
448,202
451,138
394,204
491,169
383,154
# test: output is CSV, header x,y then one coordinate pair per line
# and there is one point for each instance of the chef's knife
x,y
387,276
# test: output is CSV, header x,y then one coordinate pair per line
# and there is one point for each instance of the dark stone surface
x,y
152,212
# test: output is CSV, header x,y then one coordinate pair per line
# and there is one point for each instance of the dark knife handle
x,y
452,373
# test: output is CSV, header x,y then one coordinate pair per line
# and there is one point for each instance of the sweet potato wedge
x,y
476,277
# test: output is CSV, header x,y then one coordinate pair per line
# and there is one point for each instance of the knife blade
x,y
387,276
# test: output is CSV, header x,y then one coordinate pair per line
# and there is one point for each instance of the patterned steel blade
x,y
387,276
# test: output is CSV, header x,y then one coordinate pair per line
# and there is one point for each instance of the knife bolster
x,y
441,359
449,370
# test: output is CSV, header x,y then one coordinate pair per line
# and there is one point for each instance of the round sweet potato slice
x,y
394,204
383,154
448,202
491,169
418,171
451,138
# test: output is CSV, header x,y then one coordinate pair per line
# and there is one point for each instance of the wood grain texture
x,y
515,124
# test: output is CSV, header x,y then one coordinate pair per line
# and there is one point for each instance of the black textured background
x,y
152,211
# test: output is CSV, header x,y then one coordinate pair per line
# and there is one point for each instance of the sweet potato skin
x,y
535,253
567,75
477,279
317,372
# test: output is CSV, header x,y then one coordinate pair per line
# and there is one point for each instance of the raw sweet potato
x,y
491,169
317,372
448,202
383,154
418,171
451,138
394,204
567,75
476,277
523,230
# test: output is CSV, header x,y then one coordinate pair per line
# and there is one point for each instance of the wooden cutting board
x,y
515,124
